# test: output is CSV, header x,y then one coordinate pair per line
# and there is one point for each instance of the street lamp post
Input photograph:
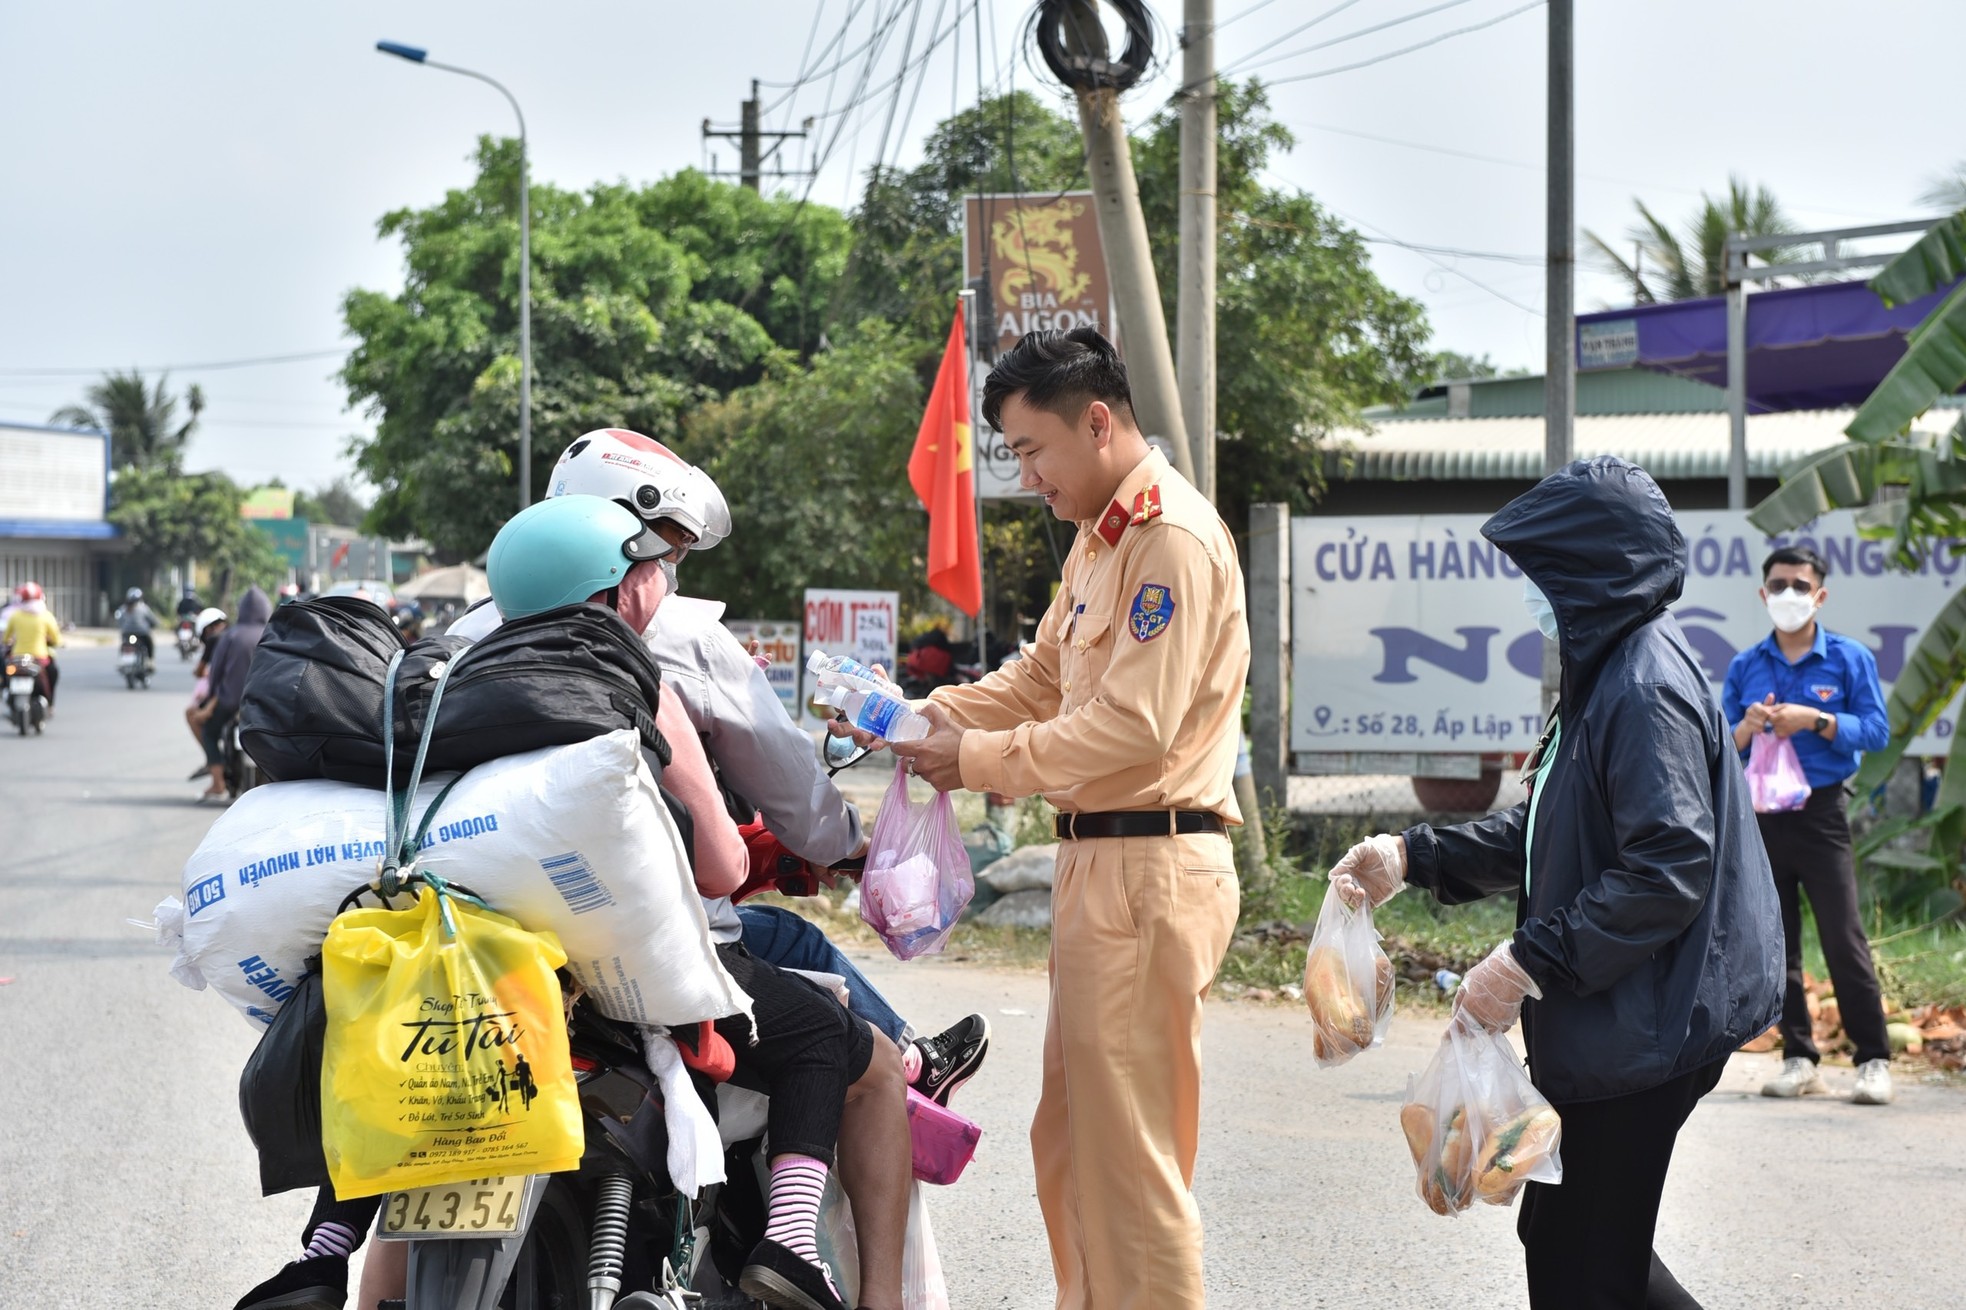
x,y
418,55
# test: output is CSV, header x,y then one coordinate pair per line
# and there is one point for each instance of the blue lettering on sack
x,y
202,895
260,870
465,828
264,976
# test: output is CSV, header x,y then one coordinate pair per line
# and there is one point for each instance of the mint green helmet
x,y
563,551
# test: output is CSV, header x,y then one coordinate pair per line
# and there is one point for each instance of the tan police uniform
x,y
1131,702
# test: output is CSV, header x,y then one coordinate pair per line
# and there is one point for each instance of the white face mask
x,y
1539,608
1791,610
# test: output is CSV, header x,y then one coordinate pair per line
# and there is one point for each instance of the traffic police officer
x,y
1126,716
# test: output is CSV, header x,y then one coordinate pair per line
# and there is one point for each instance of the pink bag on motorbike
x,y
917,882
1776,783
944,1142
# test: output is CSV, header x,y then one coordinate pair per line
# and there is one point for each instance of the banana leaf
x,y
1931,680
1933,365
1939,259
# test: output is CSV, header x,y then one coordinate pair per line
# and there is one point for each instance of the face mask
x,y
668,567
1791,610
1539,608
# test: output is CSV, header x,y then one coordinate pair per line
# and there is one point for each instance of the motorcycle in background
x,y
241,773
187,640
134,663
27,695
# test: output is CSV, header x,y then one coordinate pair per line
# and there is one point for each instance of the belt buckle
x,y
1065,823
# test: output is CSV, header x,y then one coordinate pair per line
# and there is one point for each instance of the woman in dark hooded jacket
x,y
232,659
1649,944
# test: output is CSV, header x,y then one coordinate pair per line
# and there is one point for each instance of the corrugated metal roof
x,y
1668,446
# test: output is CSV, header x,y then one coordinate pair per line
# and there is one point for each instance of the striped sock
x,y
331,1238
797,1183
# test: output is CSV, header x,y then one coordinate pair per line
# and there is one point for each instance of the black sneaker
x,y
317,1283
775,1275
952,1057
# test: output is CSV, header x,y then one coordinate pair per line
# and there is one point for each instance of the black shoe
x,y
317,1283
952,1057
774,1275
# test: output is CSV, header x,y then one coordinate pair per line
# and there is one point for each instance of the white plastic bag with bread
x,y
1348,983
1477,1127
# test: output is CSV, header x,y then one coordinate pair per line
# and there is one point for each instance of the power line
x,y
1332,12
208,367
1265,60
1260,4
1407,50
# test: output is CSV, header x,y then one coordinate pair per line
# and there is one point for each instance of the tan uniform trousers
x,y
1139,926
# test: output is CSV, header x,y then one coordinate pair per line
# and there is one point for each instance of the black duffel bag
x,y
280,1091
312,706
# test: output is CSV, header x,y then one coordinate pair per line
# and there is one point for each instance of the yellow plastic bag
x,y
446,1055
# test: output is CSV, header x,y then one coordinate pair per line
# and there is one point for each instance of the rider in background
x,y
231,661
32,630
210,625
136,619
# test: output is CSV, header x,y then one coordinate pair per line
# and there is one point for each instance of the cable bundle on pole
x,y
1082,72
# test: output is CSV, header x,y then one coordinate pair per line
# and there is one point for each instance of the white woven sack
x,y
575,840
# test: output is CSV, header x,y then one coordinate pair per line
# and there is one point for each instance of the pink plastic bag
x,y
944,1142
1776,782
918,881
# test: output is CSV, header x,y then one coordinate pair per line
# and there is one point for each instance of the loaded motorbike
x,y
27,694
240,772
134,662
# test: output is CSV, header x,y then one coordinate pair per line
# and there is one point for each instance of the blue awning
x,y
1815,347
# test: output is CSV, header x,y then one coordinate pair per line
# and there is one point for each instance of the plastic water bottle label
x,y
881,713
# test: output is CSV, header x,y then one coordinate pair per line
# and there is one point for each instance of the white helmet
x,y
648,478
205,619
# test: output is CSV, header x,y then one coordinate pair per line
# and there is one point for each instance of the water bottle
x,y
1447,980
844,670
887,717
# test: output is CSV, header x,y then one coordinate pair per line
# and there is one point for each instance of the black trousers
x,y
809,1050
1810,851
1587,1242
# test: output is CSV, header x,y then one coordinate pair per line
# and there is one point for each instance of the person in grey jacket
x,y
232,660
1649,940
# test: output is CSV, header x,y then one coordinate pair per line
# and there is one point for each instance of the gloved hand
x,y
1376,867
1491,994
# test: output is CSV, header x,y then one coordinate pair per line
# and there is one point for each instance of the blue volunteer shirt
x,y
1838,676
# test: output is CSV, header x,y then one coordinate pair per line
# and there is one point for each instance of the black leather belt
x,y
1138,823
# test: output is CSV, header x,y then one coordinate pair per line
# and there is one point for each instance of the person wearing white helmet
x,y
209,625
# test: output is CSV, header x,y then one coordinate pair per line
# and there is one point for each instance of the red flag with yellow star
x,y
941,472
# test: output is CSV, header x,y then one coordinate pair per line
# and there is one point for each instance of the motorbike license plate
x,y
20,686
480,1207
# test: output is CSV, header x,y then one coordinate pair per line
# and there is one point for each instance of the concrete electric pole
x,y
1560,306
1195,318
750,138
1084,65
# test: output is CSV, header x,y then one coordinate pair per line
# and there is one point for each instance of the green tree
x,y
169,515
1307,335
1946,191
1692,263
630,328
335,503
140,418
811,461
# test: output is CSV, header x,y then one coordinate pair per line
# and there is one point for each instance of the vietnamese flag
x,y
940,470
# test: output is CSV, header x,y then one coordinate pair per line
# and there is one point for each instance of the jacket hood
x,y
254,607
1600,540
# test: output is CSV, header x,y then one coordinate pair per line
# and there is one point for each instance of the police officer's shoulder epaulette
x,y
1146,506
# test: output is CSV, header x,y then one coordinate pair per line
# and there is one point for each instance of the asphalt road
x,y
126,1179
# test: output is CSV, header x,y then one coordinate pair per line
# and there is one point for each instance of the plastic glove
x,y
1492,992
1376,867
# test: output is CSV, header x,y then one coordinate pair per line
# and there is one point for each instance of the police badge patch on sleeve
x,y
1153,611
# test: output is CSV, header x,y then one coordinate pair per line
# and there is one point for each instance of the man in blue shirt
x,y
1820,691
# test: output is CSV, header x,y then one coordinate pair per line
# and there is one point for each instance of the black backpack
x,y
312,706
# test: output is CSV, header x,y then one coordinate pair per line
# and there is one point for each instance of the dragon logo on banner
x,y
1040,254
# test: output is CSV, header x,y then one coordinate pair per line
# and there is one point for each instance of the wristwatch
x,y
1822,722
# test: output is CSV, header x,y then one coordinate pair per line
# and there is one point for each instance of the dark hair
x,y
1060,373
1797,555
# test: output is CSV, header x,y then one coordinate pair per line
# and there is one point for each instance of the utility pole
x,y
1560,363
1123,231
1195,320
750,138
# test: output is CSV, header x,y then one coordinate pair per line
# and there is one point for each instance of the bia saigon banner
x,y
1408,632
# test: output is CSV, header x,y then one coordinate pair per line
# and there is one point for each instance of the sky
x,y
199,183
